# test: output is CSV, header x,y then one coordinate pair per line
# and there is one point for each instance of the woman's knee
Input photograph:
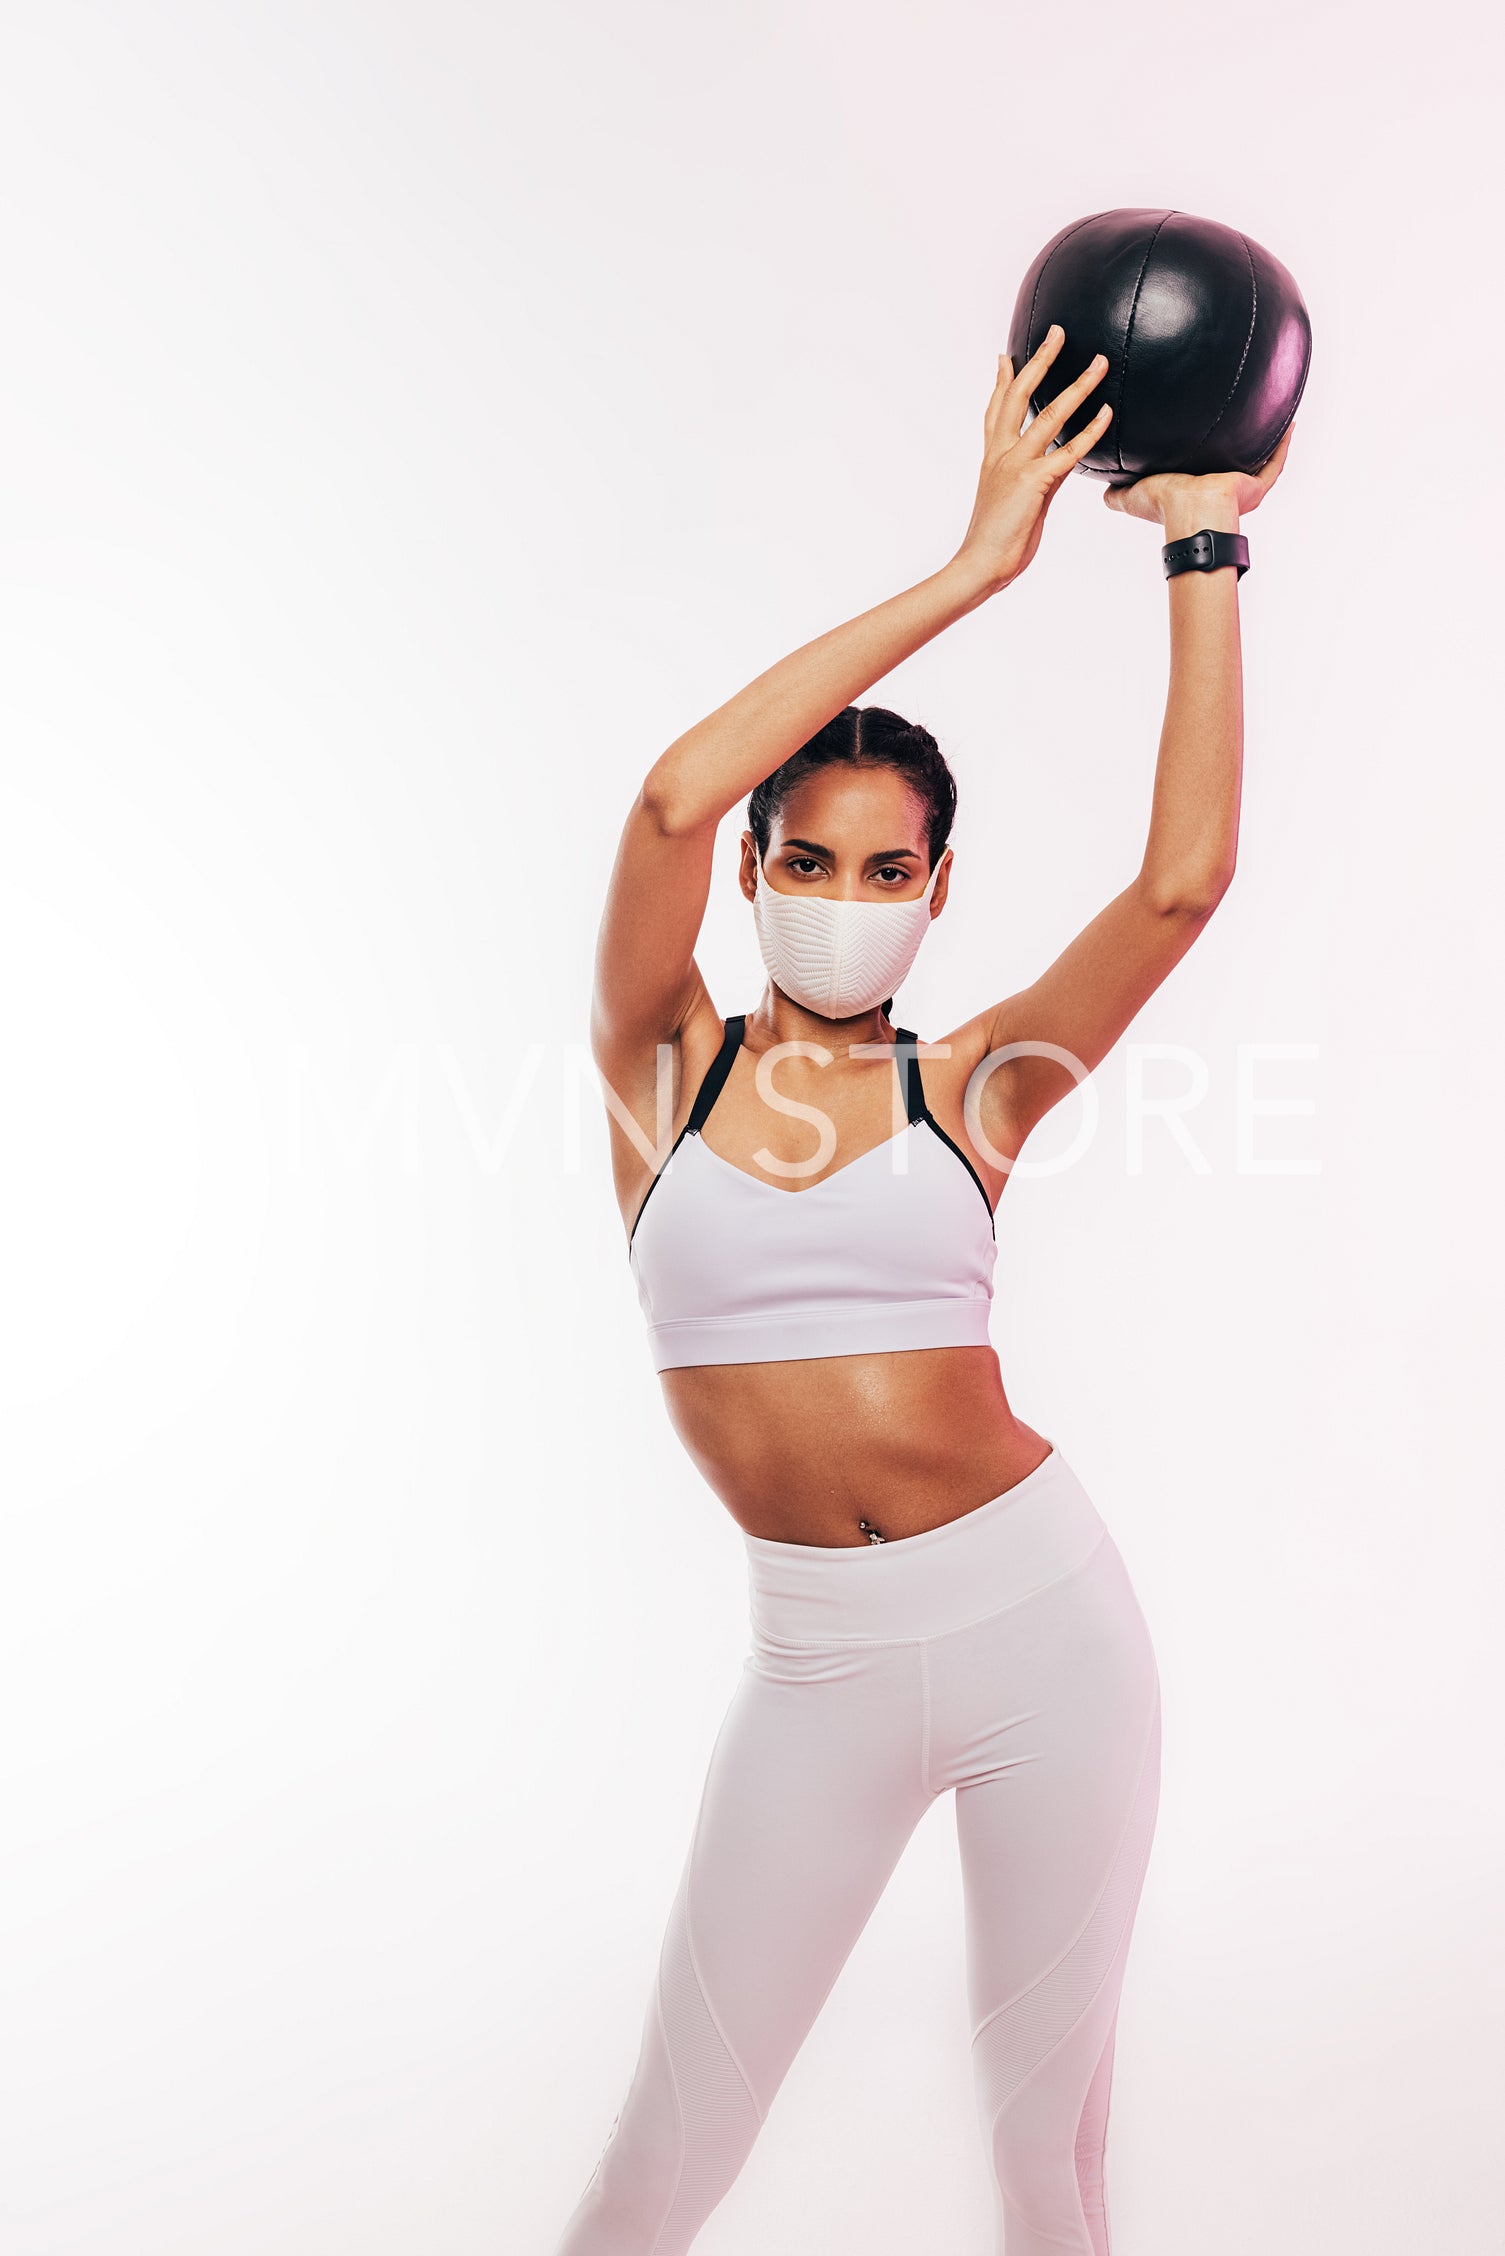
x,y
687,2126
1047,2206
1044,2108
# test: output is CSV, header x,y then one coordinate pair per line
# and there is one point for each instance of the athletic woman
x,y
936,1605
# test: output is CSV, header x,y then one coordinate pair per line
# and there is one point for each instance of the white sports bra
x,y
895,1250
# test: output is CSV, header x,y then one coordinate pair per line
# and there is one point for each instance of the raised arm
x,y
1084,1000
646,979
648,989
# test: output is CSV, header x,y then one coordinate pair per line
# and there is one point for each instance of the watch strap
x,y
1206,552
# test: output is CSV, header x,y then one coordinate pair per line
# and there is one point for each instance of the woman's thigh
x,y
815,1784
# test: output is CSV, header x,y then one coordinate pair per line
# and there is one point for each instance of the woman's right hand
x,y
1021,468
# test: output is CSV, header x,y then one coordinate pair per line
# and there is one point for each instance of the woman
x,y
936,1604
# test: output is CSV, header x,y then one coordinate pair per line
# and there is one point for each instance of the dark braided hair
x,y
865,736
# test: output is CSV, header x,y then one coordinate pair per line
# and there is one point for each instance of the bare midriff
x,y
806,1452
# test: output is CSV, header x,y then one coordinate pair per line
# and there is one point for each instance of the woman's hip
x,y
989,1560
1007,1642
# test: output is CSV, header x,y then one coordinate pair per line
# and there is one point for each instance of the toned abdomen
x,y
802,1452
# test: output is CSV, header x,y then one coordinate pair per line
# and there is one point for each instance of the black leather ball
x,y
1208,341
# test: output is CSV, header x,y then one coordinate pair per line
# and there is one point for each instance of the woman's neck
x,y
777,1019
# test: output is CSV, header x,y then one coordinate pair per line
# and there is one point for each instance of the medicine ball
x,y
1208,341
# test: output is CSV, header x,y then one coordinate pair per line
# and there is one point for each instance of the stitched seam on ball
x,y
1029,326
1118,412
1244,355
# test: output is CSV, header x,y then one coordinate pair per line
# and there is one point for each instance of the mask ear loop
x,y
925,896
935,873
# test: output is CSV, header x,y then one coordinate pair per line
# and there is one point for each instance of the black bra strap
x,y
914,1102
906,1044
705,1096
715,1081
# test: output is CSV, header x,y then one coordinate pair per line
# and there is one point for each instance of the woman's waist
x,y
1034,1533
840,1450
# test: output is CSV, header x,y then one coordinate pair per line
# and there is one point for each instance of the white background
x,y
414,418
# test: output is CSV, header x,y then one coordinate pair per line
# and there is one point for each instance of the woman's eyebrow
x,y
890,854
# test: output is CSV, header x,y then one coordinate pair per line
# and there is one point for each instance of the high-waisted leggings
x,y
1002,1657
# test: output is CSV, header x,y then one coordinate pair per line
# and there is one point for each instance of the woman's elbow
x,y
672,811
1189,892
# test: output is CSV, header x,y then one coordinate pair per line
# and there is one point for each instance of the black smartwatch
x,y
1206,552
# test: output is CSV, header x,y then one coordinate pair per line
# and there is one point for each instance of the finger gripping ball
x,y
1206,336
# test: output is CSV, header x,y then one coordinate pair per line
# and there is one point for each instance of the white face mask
x,y
838,958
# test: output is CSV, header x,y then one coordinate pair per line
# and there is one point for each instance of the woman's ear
x,y
942,882
747,876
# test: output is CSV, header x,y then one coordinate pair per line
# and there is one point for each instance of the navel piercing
x,y
871,1532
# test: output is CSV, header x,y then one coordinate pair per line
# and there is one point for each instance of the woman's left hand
x,y
1183,504
1025,464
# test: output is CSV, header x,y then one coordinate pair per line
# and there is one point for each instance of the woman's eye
x,y
802,865
894,872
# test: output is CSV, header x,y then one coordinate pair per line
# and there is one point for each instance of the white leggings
x,y
1002,1657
